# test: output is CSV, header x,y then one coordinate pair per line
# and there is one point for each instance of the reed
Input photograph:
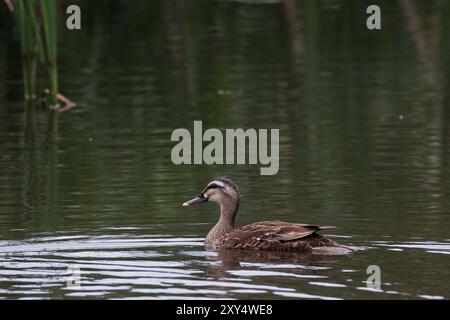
x,y
29,33
49,31
38,30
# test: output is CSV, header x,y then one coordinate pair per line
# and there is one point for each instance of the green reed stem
x,y
38,29
49,30
28,32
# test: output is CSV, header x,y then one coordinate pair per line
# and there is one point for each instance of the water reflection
x,y
236,259
165,267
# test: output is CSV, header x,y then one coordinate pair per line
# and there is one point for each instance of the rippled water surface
x,y
125,263
364,145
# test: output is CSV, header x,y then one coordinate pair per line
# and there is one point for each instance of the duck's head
x,y
221,190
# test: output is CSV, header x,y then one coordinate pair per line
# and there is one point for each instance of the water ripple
x,y
122,266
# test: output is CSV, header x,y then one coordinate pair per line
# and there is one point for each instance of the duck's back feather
x,y
275,235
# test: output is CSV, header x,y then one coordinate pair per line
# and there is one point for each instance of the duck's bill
x,y
196,200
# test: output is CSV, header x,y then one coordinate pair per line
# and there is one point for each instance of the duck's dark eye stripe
x,y
213,186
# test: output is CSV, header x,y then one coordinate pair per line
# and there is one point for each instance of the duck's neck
x,y
228,210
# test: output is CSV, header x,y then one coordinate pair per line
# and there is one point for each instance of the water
x,y
364,131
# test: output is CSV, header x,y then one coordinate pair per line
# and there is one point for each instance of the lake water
x,y
364,121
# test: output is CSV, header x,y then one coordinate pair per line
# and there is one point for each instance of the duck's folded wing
x,y
274,230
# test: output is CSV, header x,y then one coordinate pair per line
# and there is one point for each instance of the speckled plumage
x,y
277,236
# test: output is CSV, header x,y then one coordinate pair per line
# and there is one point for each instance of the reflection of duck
x,y
285,261
277,258
266,235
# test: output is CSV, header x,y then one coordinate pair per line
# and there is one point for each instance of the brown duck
x,y
265,235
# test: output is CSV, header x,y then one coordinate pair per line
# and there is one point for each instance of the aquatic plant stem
x,y
28,32
49,26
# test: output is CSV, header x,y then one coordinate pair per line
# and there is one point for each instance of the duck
x,y
264,235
